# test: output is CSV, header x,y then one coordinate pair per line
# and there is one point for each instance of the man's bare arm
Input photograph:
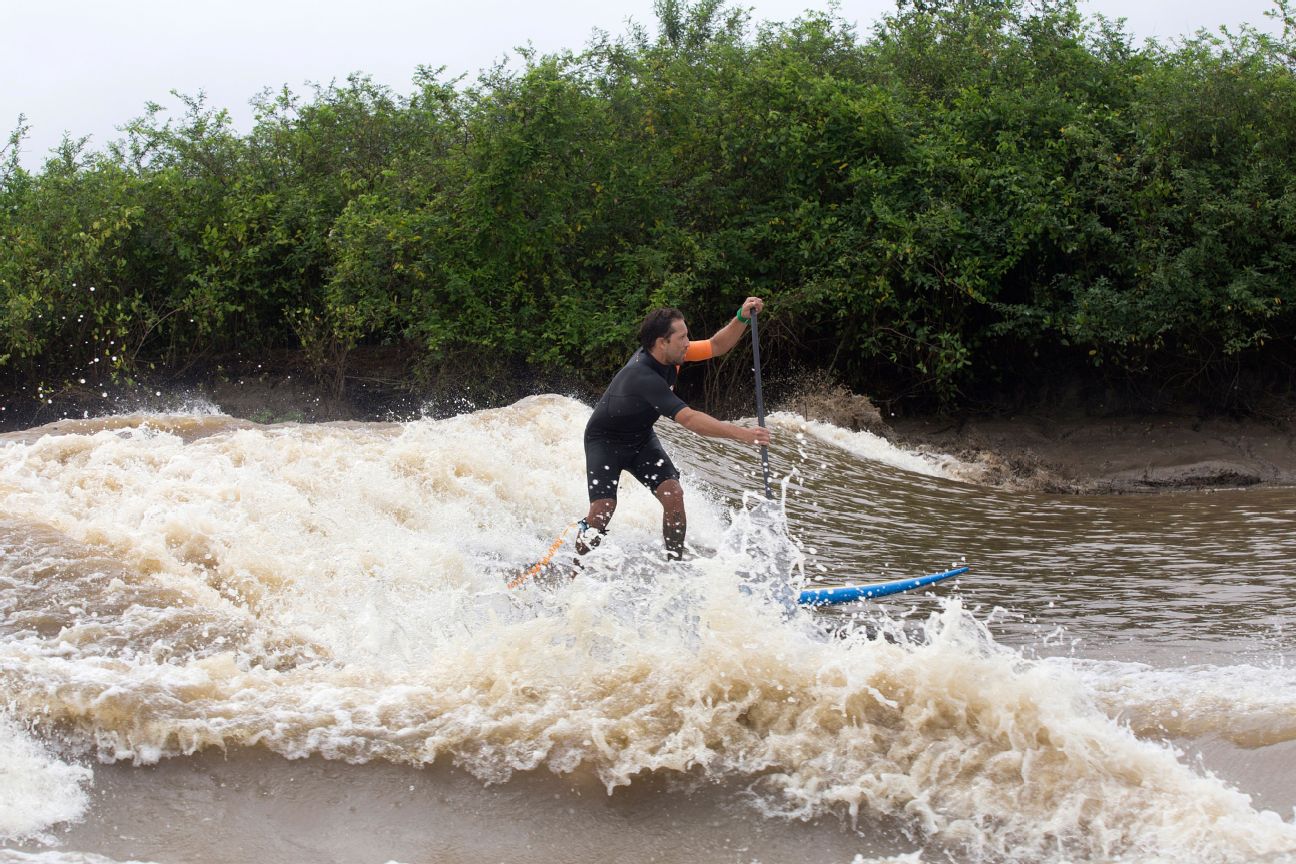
x,y
729,335
705,424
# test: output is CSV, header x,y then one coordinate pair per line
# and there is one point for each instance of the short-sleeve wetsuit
x,y
620,437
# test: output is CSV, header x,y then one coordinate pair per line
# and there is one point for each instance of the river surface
x,y
224,642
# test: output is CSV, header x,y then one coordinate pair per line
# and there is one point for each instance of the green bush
x,y
974,196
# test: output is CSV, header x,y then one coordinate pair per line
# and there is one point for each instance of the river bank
x,y
1073,449
1115,454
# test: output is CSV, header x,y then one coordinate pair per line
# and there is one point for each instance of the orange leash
x,y
540,565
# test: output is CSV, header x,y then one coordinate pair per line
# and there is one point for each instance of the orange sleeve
x,y
700,350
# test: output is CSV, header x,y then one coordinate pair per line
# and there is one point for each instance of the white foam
x,y
37,790
13,856
875,448
375,554
1248,705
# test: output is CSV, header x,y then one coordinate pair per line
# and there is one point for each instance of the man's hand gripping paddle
x,y
773,555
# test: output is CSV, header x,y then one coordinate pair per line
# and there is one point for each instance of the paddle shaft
x,y
760,401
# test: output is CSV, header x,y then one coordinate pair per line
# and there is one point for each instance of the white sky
x,y
89,66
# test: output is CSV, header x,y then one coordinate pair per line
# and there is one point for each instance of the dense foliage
x,y
976,197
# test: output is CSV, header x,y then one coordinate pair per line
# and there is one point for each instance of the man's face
x,y
676,343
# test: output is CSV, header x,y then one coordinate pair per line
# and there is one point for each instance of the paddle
x,y
760,401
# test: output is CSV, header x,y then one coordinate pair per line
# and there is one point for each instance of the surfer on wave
x,y
620,437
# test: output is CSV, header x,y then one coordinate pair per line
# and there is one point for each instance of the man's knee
x,y
671,495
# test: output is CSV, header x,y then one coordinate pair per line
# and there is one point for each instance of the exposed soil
x,y
1075,451
1128,453
1065,450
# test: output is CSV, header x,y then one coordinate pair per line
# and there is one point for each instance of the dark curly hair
x,y
657,325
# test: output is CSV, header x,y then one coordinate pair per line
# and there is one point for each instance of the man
x,y
620,437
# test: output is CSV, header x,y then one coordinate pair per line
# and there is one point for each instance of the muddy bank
x,y
1078,452
283,387
1055,450
1144,453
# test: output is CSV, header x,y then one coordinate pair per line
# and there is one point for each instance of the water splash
x,y
337,590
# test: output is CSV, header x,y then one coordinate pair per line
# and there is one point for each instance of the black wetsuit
x,y
620,437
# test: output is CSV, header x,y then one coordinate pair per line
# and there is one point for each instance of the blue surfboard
x,y
852,593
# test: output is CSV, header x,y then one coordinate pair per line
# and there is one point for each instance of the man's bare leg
x,y
674,522
600,514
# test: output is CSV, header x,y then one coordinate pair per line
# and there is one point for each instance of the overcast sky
x,y
88,66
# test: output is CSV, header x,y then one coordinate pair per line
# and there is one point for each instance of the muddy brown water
x,y
230,642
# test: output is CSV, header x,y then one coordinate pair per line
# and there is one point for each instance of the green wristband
x,y
740,318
